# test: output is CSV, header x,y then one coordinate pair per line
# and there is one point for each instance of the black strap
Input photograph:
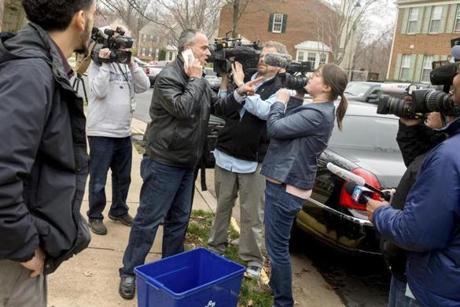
x,y
203,175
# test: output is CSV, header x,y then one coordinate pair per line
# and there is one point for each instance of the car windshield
x,y
357,89
369,133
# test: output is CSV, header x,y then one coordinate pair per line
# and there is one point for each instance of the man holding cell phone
x,y
181,103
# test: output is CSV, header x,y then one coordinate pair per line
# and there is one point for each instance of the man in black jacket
x,y
43,160
181,103
241,147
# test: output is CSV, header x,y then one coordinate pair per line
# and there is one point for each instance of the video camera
x,y
425,101
113,40
295,75
226,51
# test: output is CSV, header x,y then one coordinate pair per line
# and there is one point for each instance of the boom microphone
x,y
277,59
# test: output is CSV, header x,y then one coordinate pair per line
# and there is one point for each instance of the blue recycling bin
x,y
194,278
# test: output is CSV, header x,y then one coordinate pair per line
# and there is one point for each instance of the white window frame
x,y
435,18
308,57
457,19
322,58
426,68
412,20
405,67
277,21
300,56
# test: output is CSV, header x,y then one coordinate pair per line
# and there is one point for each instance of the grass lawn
x,y
197,236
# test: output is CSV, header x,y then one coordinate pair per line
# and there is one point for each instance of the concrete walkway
x,y
91,277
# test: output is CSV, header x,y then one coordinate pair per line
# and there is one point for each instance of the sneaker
x,y
253,272
126,219
97,227
127,287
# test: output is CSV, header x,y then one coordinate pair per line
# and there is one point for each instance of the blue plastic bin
x,y
194,278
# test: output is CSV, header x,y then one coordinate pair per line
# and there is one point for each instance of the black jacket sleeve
x,y
224,106
26,88
416,140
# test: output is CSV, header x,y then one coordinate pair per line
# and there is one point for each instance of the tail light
x,y
345,198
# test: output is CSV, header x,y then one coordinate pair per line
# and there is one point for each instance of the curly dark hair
x,y
54,15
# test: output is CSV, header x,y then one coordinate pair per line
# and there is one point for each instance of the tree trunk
x,y
236,13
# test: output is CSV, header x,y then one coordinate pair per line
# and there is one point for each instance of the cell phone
x,y
188,57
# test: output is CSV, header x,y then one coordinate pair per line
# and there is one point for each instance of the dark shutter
x,y
283,27
270,23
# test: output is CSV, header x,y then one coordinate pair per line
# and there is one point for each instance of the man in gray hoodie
x,y
110,111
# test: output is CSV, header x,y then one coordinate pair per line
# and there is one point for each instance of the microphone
x,y
345,175
277,59
349,176
358,193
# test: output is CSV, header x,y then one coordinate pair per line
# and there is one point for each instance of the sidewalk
x,y
91,278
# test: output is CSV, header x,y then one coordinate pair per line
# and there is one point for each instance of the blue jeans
x,y
166,194
280,211
397,297
116,154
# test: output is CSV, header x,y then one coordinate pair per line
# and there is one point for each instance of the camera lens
x,y
295,82
395,106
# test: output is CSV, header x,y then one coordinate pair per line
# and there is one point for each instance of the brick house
x,y
422,35
295,23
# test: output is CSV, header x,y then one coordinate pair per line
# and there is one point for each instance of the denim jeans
x,y
116,154
397,297
166,194
280,211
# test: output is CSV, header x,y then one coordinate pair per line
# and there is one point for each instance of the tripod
x,y
76,85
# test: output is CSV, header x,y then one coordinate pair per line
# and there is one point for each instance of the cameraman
x,y
110,111
240,149
428,226
415,138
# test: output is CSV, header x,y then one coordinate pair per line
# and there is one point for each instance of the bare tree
x,y
374,55
341,29
177,15
238,8
123,10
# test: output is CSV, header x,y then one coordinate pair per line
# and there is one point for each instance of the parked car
x,y
366,147
362,91
212,78
152,69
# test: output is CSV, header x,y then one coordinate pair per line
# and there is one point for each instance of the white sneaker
x,y
253,272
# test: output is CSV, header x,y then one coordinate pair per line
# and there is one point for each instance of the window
x,y
435,22
322,58
413,20
300,56
378,136
311,57
457,19
277,23
405,67
426,69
